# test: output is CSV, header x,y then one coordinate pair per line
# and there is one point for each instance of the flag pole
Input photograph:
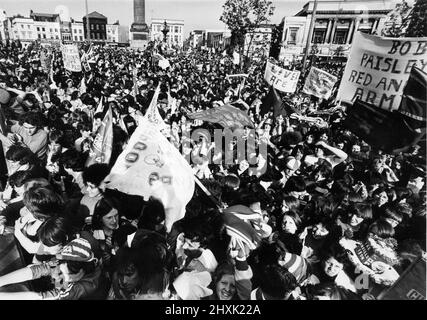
x,y
309,37
87,22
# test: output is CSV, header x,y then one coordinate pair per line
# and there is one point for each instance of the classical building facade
x,y
23,29
175,35
47,26
77,31
210,38
117,34
334,27
196,38
113,32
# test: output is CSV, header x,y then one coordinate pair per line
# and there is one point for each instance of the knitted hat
x,y
77,250
193,285
296,265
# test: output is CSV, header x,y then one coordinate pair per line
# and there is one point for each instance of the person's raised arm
x,y
17,276
337,152
30,246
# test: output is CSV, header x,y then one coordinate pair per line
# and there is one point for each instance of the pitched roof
x,y
95,14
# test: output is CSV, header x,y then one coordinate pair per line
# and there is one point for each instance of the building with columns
x,y
175,35
334,26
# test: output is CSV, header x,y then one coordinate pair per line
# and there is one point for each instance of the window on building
x,y
28,26
57,37
22,26
176,29
81,38
293,35
176,38
39,36
43,29
80,31
51,30
340,36
51,37
319,36
92,27
44,36
97,27
38,28
23,35
56,30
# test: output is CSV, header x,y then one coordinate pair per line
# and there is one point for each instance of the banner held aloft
x,y
378,68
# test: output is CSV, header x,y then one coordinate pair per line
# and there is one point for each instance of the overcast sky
x,y
197,14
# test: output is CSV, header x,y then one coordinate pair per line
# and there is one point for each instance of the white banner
x,y
71,57
152,114
236,58
151,166
281,79
378,68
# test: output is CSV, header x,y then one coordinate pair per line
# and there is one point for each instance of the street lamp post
x,y
165,31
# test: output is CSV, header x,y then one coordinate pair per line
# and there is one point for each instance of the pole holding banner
x,y
309,36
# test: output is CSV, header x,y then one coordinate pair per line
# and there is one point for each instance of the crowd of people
x,y
293,231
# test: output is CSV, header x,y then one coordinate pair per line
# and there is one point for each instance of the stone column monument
x,y
139,31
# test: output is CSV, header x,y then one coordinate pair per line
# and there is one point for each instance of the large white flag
x,y
164,64
100,107
152,114
82,88
236,58
151,166
171,103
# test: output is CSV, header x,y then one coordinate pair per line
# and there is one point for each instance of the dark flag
x,y
414,99
227,116
411,284
273,102
380,128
